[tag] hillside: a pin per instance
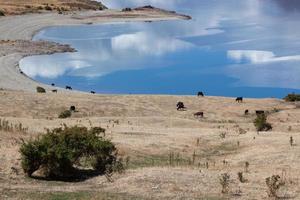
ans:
(17, 7)
(148, 130)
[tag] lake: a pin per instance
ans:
(247, 48)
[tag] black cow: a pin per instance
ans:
(68, 87)
(200, 94)
(180, 106)
(239, 99)
(199, 114)
(93, 92)
(246, 112)
(54, 91)
(73, 108)
(260, 112)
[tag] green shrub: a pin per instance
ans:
(65, 114)
(292, 97)
(261, 123)
(40, 89)
(58, 153)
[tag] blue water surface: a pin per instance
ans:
(245, 48)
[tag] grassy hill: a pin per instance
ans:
(168, 154)
(17, 7)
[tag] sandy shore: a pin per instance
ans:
(25, 26)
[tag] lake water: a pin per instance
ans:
(245, 48)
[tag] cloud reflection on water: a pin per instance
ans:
(260, 40)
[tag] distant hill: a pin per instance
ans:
(18, 7)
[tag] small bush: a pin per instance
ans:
(58, 152)
(291, 141)
(1, 13)
(241, 177)
(274, 183)
(292, 97)
(242, 131)
(224, 181)
(223, 135)
(247, 164)
(65, 114)
(48, 8)
(261, 123)
(40, 90)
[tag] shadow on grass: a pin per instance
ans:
(77, 175)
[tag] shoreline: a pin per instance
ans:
(22, 28)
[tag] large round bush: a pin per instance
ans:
(58, 152)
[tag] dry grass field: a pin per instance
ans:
(16, 7)
(168, 154)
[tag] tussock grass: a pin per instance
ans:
(8, 126)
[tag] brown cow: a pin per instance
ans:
(199, 114)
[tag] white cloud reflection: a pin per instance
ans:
(250, 55)
(262, 37)
(105, 58)
(45, 67)
(282, 74)
(147, 44)
(264, 69)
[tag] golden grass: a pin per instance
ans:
(170, 154)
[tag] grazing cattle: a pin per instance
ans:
(199, 115)
(52, 84)
(246, 112)
(54, 91)
(260, 112)
(239, 99)
(68, 88)
(200, 94)
(180, 106)
(126, 9)
(72, 108)
(93, 92)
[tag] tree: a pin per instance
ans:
(58, 152)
